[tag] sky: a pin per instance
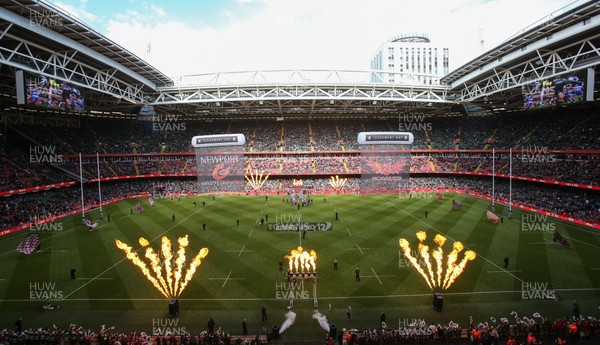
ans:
(206, 36)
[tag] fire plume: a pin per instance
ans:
(301, 261)
(437, 279)
(336, 182)
(166, 275)
(413, 260)
(256, 179)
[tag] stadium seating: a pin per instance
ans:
(555, 199)
(318, 148)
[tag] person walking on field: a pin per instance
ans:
(263, 312)
(244, 327)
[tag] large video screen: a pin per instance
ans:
(385, 161)
(220, 163)
(560, 90)
(50, 93)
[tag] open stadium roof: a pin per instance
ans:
(72, 28)
(118, 83)
(564, 41)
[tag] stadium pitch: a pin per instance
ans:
(241, 272)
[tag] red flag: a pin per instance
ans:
(492, 217)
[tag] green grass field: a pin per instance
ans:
(240, 273)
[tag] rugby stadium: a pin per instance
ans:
(298, 206)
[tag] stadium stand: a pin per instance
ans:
(588, 331)
(555, 199)
(319, 149)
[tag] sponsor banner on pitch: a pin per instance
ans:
(308, 226)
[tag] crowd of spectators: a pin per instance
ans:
(554, 130)
(324, 138)
(267, 137)
(20, 172)
(534, 131)
(521, 330)
(109, 336)
(20, 209)
(537, 133)
(582, 205)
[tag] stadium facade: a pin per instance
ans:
(413, 56)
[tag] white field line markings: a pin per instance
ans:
(226, 279)
(439, 232)
(360, 249)
(376, 276)
(107, 278)
(125, 258)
